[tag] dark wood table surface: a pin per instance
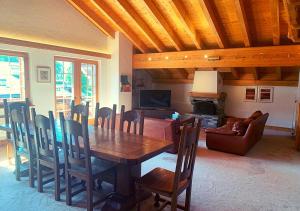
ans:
(128, 151)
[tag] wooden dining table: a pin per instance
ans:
(128, 151)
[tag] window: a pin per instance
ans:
(75, 79)
(13, 76)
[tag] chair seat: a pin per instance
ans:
(160, 180)
(99, 167)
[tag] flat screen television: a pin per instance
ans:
(155, 98)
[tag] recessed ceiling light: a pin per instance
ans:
(166, 57)
(205, 56)
(185, 56)
(149, 59)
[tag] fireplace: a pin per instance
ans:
(204, 107)
(209, 108)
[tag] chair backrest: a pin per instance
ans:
(76, 143)
(130, 117)
(8, 106)
(45, 136)
(20, 127)
(187, 154)
(77, 111)
(107, 115)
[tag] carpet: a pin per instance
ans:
(267, 178)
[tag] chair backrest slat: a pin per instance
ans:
(20, 127)
(105, 115)
(77, 111)
(187, 153)
(76, 143)
(132, 116)
(45, 136)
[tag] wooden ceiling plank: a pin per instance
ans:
(210, 14)
(93, 17)
(242, 17)
(260, 83)
(278, 73)
(173, 81)
(275, 21)
(165, 25)
(182, 14)
(271, 56)
(121, 24)
(143, 26)
(235, 73)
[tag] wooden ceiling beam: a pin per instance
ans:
(275, 21)
(165, 25)
(93, 17)
(182, 14)
(260, 83)
(242, 17)
(210, 13)
(121, 24)
(271, 56)
(143, 26)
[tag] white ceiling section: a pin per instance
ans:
(53, 22)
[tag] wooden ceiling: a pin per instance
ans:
(159, 26)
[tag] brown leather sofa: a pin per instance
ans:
(239, 135)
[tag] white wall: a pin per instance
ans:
(120, 64)
(43, 94)
(281, 110)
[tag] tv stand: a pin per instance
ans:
(157, 113)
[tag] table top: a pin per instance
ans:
(118, 146)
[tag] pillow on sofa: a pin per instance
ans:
(240, 128)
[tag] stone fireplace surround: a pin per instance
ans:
(209, 120)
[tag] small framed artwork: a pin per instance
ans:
(250, 94)
(43, 74)
(266, 94)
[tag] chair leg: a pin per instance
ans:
(89, 189)
(9, 152)
(57, 185)
(188, 198)
(156, 200)
(174, 203)
(31, 173)
(68, 189)
(39, 177)
(17, 165)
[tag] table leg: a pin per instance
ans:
(124, 198)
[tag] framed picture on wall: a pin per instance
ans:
(43, 74)
(266, 94)
(250, 94)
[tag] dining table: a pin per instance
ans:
(127, 150)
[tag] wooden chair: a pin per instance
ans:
(77, 111)
(23, 143)
(105, 114)
(49, 159)
(171, 184)
(130, 117)
(78, 160)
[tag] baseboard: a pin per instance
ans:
(286, 129)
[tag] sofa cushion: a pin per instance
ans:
(221, 131)
(240, 128)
